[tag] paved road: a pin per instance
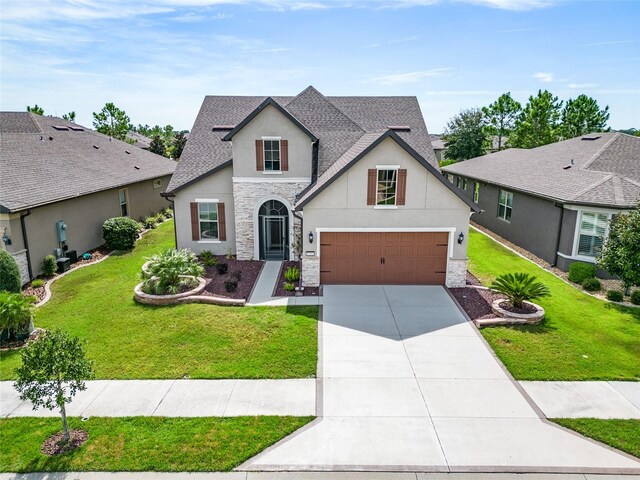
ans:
(408, 384)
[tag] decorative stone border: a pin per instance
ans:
(149, 299)
(506, 317)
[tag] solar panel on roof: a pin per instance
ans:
(60, 127)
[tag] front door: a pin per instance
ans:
(274, 237)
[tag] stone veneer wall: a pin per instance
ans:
(457, 273)
(21, 259)
(246, 195)
(310, 273)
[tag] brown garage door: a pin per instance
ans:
(390, 258)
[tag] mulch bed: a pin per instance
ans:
(54, 446)
(526, 309)
(473, 280)
(249, 271)
(96, 254)
(475, 301)
(16, 344)
(281, 292)
(28, 290)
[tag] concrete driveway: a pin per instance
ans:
(406, 383)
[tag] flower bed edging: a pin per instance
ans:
(149, 299)
(517, 318)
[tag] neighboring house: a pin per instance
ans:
(55, 171)
(139, 140)
(439, 147)
(555, 201)
(350, 184)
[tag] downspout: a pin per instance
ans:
(25, 241)
(170, 198)
(555, 262)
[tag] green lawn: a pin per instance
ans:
(581, 338)
(130, 341)
(143, 443)
(621, 434)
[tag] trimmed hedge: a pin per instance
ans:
(10, 280)
(49, 266)
(580, 271)
(120, 233)
(615, 295)
(635, 297)
(592, 285)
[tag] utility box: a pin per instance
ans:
(61, 231)
(72, 255)
(63, 264)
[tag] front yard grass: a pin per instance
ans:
(143, 443)
(581, 338)
(621, 434)
(132, 341)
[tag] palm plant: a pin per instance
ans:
(16, 314)
(168, 272)
(519, 287)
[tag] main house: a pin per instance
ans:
(349, 184)
(55, 173)
(555, 201)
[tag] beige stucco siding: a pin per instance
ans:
(271, 123)
(84, 217)
(429, 203)
(217, 186)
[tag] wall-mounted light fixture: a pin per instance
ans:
(310, 236)
(461, 237)
(5, 237)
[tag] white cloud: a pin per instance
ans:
(409, 77)
(309, 6)
(613, 42)
(582, 85)
(544, 76)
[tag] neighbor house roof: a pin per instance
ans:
(596, 169)
(47, 159)
(336, 122)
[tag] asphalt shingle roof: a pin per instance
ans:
(338, 123)
(604, 169)
(40, 164)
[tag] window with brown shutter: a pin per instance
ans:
(284, 155)
(195, 225)
(371, 186)
(222, 227)
(402, 187)
(259, 156)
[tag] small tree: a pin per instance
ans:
(179, 141)
(538, 124)
(583, 115)
(112, 121)
(620, 253)
(70, 117)
(519, 287)
(35, 109)
(501, 116)
(465, 136)
(53, 370)
(157, 146)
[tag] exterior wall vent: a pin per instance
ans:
(399, 128)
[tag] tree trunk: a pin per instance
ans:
(63, 412)
(627, 290)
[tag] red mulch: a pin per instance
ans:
(54, 446)
(281, 292)
(525, 308)
(475, 301)
(249, 272)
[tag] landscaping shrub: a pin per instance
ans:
(120, 233)
(164, 270)
(615, 295)
(592, 285)
(49, 266)
(519, 287)
(16, 314)
(230, 285)
(292, 274)
(222, 268)
(149, 222)
(237, 275)
(167, 213)
(37, 283)
(635, 297)
(9, 273)
(159, 217)
(289, 287)
(580, 271)
(208, 258)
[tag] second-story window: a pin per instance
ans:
(272, 155)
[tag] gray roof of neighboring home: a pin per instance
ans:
(337, 122)
(604, 170)
(139, 140)
(40, 164)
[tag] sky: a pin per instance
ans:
(157, 59)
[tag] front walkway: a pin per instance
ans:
(262, 294)
(407, 384)
(177, 398)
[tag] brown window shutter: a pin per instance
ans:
(284, 155)
(195, 225)
(259, 156)
(371, 186)
(401, 194)
(222, 227)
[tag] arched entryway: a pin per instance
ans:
(273, 226)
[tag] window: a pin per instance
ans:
(208, 221)
(458, 179)
(272, 155)
(505, 203)
(464, 183)
(593, 230)
(123, 195)
(476, 191)
(386, 187)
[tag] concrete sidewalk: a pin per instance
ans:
(177, 398)
(586, 399)
(262, 294)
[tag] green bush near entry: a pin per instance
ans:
(580, 271)
(120, 233)
(9, 273)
